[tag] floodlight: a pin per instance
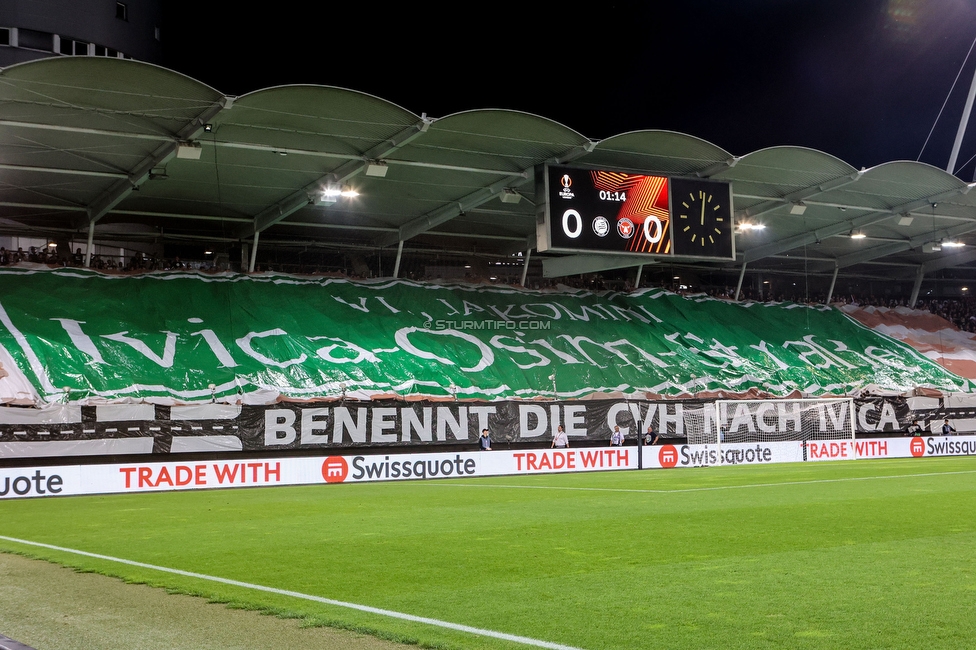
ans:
(377, 169)
(189, 151)
(510, 196)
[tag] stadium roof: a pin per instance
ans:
(137, 153)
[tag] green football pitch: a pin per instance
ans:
(869, 554)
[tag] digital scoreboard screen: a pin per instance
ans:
(590, 210)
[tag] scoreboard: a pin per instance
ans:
(587, 210)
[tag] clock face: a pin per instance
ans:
(702, 219)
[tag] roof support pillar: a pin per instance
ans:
(254, 251)
(88, 249)
(738, 287)
(640, 271)
(917, 286)
(396, 266)
(525, 266)
(833, 282)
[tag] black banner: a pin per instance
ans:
(68, 430)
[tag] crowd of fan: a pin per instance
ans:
(961, 312)
(112, 263)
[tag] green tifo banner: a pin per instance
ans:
(255, 338)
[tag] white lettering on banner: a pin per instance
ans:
(458, 426)
(384, 419)
(169, 347)
(584, 314)
(423, 427)
(360, 307)
(382, 301)
(888, 417)
(536, 412)
(482, 412)
(79, 339)
(215, 345)
(574, 418)
(310, 425)
(815, 350)
(668, 416)
(402, 339)
(325, 352)
(244, 343)
(278, 427)
(540, 359)
(547, 310)
(615, 410)
(862, 416)
(379, 424)
(344, 422)
(764, 348)
(838, 417)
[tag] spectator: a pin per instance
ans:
(651, 438)
(616, 438)
(560, 440)
(484, 442)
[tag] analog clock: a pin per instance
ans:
(701, 218)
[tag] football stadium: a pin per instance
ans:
(301, 368)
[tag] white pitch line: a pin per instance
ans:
(318, 599)
(677, 490)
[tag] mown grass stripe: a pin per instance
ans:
(295, 594)
(442, 483)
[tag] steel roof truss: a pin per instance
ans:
(122, 188)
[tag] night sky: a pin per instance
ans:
(862, 80)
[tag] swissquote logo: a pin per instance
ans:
(917, 447)
(335, 469)
(668, 456)
(566, 182)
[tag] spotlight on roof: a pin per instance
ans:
(510, 196)
(208, 128)
(327, 196)
(905, 220)
(348, 193)
(376, 168)
(952, 244)
(189, 151)
(931, 247)
(857, 234)
(751, 226)
(798, 208)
